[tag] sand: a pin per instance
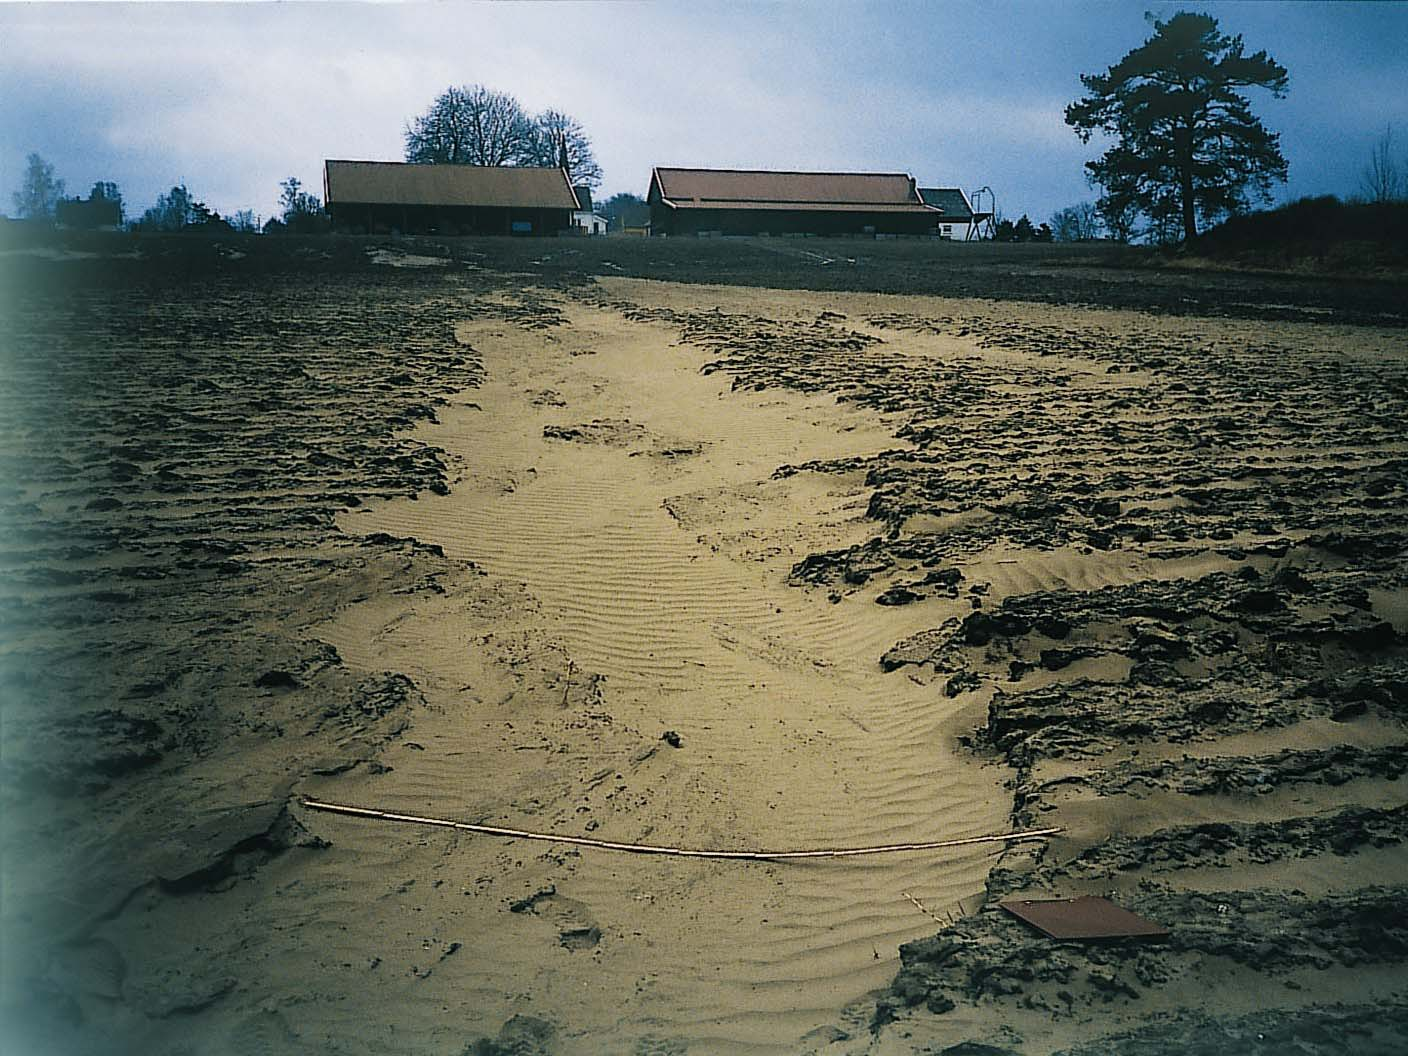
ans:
(632, 497)
(727, 567)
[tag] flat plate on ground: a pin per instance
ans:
(1087, 917)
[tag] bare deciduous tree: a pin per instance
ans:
(173, 211)
(471, 125)
(1076, 223)
(1383, 178)
(558, 138)
(474, 125)
(303, 213)
(40, 193)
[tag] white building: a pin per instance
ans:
(957, 219)
(584, 219)
(589, 222)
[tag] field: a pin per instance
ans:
(772, 544)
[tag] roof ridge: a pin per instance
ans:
(793, 201)
(442, 164)
(780, 172)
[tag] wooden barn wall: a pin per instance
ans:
(383, 219)
(665, 220)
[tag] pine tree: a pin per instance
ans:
(1187, 143)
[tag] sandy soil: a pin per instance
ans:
(707, 566)
(633, 498)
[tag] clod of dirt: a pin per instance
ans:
(580, 938)
(231, 844)
(520, 1036)
(277, 680)
(897, 595)
(529, 904)
(612, 432)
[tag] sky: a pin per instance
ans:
(231, 99)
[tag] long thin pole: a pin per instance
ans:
(678, 852)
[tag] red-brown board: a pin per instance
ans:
(1088, 917)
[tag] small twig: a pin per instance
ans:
(925, 909)
(567, 688)
(678, 852)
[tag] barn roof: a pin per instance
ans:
(951, 200)
(400, 183)
(757, 189)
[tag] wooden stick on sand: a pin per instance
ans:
(677, 852)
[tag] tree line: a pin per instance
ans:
(41, 199)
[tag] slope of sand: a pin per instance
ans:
(714, 567)
(633, 497)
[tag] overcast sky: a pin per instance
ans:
(232, 99)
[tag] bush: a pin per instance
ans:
(1321, 228)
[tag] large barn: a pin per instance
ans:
(753, 202)
(381, 197)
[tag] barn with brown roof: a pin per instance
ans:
(755, 202)
(382, 197)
